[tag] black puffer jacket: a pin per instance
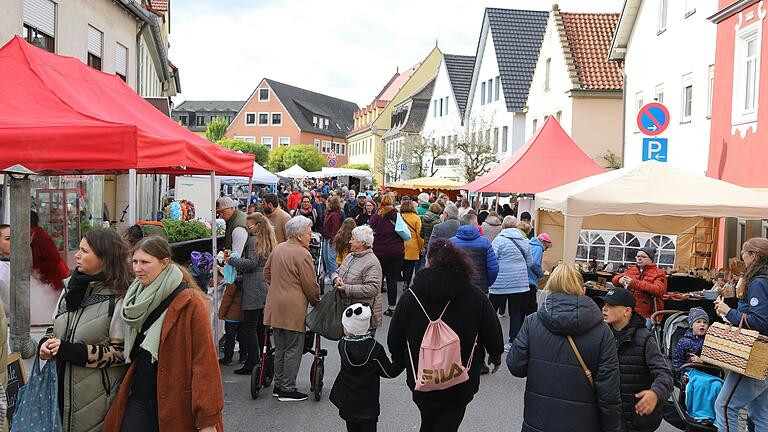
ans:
(642, 367)
(558, 396)
(470, 315)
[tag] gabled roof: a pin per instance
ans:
(517, 36)
(460, 69)
(211, 106)
(418, 106)
(589, 39)
(623, 30)
(301, 104)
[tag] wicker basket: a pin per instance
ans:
(736, 349)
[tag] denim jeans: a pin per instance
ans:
(422, 258)
(738, 392)
(329, 257)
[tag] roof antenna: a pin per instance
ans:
(435, 42)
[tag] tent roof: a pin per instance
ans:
(549, 159)
(61, 116)
(260, 176)
(426, 183)
(293, 172)
(654, 189)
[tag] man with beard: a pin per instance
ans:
(277, 216)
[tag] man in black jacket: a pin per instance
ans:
(646, 380)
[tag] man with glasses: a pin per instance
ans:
(646, 281)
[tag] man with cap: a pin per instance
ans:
(646, 381)
(646, 281)
(689, 346)
(235, 235)
(423, 207)
(359, 206)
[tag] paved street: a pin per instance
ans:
(498, 404)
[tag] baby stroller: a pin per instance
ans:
(316, 250)
(668, 332)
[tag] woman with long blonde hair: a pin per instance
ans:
(741, 391)
(261, 242)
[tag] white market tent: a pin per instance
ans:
(260, 176)
(293, 172)
(653, 189)
(328, 172)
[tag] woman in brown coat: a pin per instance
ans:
(174, 382)
(359, 276)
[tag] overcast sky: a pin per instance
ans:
(343, 48)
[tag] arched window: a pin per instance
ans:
(622, 248)
(591, 246)
(665, 250)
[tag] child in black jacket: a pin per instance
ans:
(363, 360)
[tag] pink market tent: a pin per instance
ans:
(548, 160)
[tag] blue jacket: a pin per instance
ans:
(480, 252)
(513, 265)
(755, 305)
(535, 272)
(687, 345)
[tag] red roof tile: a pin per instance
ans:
(589, 37)
(159, 5)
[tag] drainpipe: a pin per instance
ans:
(623, 113)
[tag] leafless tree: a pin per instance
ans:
(391, 160)
(423, 151)
(478, 148)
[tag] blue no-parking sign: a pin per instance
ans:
(655, 149)
(653, 119)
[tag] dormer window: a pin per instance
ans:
(320, 122)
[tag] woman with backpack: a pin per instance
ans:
(568, 355)
(88, 331)
(174, 381)
(443, 292)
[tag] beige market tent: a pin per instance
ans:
(653, 197)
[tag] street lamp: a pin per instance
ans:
(21, 259)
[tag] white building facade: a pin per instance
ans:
(668, 50)
(507, 52)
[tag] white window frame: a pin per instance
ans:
(739, 114)
(281, 143)
(688, 8)
(269, 94)
(686, 81)
(639, 102)
(326, 147)
(663, 16)
(482, 92)
(258, 119)
(496, 87)
(317, 144)
(197, 121)
(272, 118)
(255, 118)
(489, 96)
(534, 125)
(267, 141)
(547, 69)
(658, 93)
(601, 239)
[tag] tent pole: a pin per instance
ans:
(215, 264)
(7, 201)
(132, 178)
(21, 263)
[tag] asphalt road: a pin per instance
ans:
(497, 406)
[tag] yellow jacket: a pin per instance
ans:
(414, 246)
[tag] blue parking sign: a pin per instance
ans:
(655, 149)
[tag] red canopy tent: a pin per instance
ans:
(548, 160)
(60, 116)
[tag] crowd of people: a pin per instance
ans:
(132, 334)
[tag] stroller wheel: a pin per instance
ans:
(255, 384)
(318, 385)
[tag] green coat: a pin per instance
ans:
(88, 391)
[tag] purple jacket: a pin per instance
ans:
(386, 242)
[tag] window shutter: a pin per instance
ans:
(121, 59)
(94, 41)
(41, 14)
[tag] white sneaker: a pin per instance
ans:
(502, 315)
(507, 347)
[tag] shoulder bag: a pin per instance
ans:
(587, 372)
